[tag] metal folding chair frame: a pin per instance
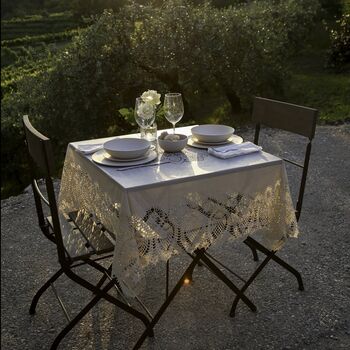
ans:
(280, 115)
(40, 158)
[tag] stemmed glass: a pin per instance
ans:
(144, 114)
(173, 108)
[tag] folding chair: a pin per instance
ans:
(296, 119)
(83, 249)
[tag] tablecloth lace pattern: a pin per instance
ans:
(186, 155)
(159, 232)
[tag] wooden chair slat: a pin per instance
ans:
(75, 243)
(95, 236)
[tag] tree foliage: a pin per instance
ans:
(235, 51)
(339, 56)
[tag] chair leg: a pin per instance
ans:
(101, 281)
(189, 276)
(248, 283)
(291, 270)
(228, 282)
(254, 251)
(166, 303)
(78, 317)
(103, 278)
(278, 260)
(216, 271)
(167, 277)
(103, 294)
(42, 290)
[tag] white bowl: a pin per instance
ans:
(127, 148)
(212, 133)
(173, 146)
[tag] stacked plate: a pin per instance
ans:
(211, 135)
(125, 152)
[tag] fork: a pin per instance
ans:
(142, 165)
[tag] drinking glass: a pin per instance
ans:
(173, 108)
(149, 133)
(144, 114)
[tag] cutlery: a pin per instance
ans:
(142, 166)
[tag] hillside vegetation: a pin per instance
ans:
(29, 43)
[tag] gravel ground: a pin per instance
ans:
(318, 318)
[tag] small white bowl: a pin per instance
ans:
(127, 148)
(212, 133)
(173, 146)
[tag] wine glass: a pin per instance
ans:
(173, 108)
(144, 113)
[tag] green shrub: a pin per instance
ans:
(14, 169)
(339, 55)
(332, 8)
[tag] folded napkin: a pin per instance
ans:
(234, 150)
(90, 149)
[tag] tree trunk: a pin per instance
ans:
(234, 100)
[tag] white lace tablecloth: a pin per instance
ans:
(191, 202)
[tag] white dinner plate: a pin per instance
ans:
(233, 139)
(126, 148)
(113, 159)
(100, 158)
(210, 144)
(211, 133)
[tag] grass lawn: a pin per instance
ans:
(313, 85)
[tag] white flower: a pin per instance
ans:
(151, 97)
(146, 110)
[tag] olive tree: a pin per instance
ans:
(247, 47)
(241, 49)
(165, 44)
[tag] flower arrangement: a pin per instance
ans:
(150, 100)
(151, 97)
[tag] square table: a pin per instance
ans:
(187, 203)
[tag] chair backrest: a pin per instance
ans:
(286, 116)
(289, 117)
(42, 166)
